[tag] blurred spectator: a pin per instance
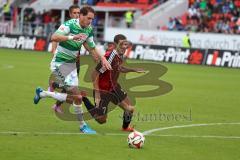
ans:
(91, 2)
(7, 11)
(32, 18)
(203, 5)
(219, 16)
(192, 11)
(186, 41)
(171, 24)
(75, 2)
(129, 18)
(38, 19)
(95, 21)
(47, 19)
(178, 24)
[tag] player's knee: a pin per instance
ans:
(78, 99)
(75, 91)
(102, 121)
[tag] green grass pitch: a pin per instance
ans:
(200, 95)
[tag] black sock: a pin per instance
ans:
(127, 117)
(90, 107)
(87, 103)
(78, 70)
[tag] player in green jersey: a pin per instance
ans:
(74, 13)
(70, 36)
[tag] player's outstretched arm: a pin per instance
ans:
(98, 56)
(54, 47)
(103, 59)
(105, 63)
(95, 79)
(60, 38)
(126, 70)
(92, 51)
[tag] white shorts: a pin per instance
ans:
(65, 73)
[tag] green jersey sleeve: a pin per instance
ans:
(65, 28)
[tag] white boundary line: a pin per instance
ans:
(7, 66)
(119, 134)
(187, 126)
(146, 133)
(195, 136)
(58, 133)
(40, 133)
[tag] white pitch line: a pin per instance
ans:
(39, 133)
(7, 66)
(119, 134)
(187, 126)
(195, 136)
(146, 133)
(57, 133)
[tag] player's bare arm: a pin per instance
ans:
(92, 51)
(60, 38)
(104, 62)
(98, 56)
(54, 47)
(95, 79)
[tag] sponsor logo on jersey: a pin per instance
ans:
(82, 37)
(62, 28)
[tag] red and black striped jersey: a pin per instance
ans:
(108, 78)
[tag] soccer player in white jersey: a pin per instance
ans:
(70, 36)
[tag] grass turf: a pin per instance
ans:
(211, 93)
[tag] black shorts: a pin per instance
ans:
(116, 96)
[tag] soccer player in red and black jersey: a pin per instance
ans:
(106, 86)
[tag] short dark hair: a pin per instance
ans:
(119, 37)
(73, 7)
(84, 10)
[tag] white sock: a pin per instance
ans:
(58, 96)
(78, 110)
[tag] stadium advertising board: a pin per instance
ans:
(23, 42)
(221, 58)
(211, 57)
(172, 38)
(167, 54)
